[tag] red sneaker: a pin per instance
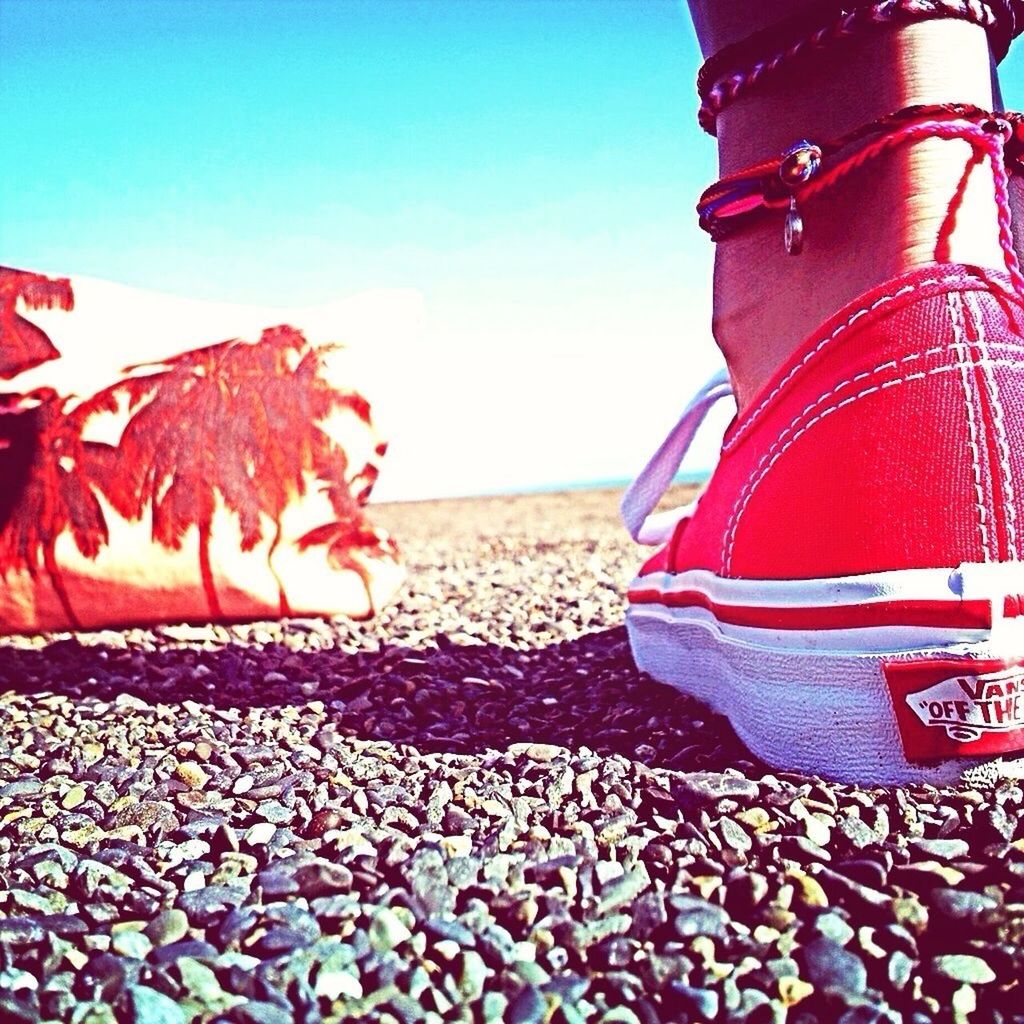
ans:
(849, 588)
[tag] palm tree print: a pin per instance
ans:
(22, 344)
(236, 420)
(346, 541)
(41, 459)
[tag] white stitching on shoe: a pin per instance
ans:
(883, 300)
(762, 471)
(1000, 425)
(956, 317)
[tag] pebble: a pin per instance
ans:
(260, 834)
(528, 1007)
(710, 787)
(192, 774)
(971, 970)
(387, 930)
(148, 1006)
(73, 797)
(831, 967)
(834, 927)
(132, 944)
(167, 927)
(695, 916)
(963, 904)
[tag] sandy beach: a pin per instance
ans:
(472, 808)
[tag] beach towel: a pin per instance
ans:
(169, 460)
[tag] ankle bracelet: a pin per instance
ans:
(737, 68)
(807, 168)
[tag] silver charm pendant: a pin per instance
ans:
(798, 165)
(793, 233)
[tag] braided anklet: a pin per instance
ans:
(736, 69)
(807, 168)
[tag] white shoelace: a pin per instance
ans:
(644, 524)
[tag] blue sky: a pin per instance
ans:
(528, 166)
(239, 148)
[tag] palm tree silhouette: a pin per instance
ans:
(348, 538)
(43, 461)
(234, 419)
(22, 344)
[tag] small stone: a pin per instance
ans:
(925, 875)
(260, 834)
(73, 797)
(623, 890)
(733, 835)
(698, 917)
(495, 1004)
(457, 846)
(260, 1012)
(965, 1002)
(175, 951)
(528, 1007)
(703, 1003)
(857, 831)
(387, 930)
(155, 815)
(814, 828)
(131, 943)
(192, 774)
(709, 787)
(473, 975)
(21, 788)
(833, 927)
(942, 849)
(167, 927)
(151, 1007)
(809, 890)
(324, 821)
(202, 988)
(962, 904)
(794, 990)
(205, 906)
(830, 966)
(334, 983)
(971, 970)
(900, 967)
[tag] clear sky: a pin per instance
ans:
(529, 166)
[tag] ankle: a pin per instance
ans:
(887, 218)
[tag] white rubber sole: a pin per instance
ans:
(813, 674)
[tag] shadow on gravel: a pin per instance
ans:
(441, 697)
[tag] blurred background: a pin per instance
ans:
(518, 175)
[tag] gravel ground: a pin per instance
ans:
(471, 809)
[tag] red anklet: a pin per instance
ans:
(736, 69)
(807, 168)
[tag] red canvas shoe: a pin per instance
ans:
(849, 588)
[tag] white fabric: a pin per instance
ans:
(646, 526)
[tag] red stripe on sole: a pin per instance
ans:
(940, 614)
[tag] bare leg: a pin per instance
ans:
(880, 221)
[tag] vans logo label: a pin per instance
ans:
(949, 708)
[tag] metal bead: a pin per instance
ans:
(799, 163)
(999, 126)
(793, 233)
